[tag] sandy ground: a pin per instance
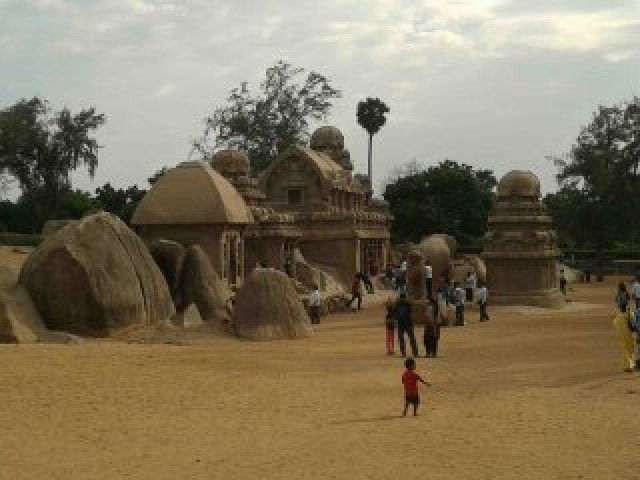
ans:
(528, 395)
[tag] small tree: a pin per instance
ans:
(371, 116)
(40, 149)
(267, 123)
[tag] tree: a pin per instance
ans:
(448, 198)
(40, 149)
(121, 202)
(602, 168)
(267, 123)
(371, 116)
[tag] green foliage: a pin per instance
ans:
(75, 204)
(448, 198)
(121, 202)
(600, 181)
(21, 239)
(371, 115)
(270, 121)
(39, 149)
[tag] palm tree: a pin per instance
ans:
(371, 117)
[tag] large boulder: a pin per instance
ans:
(170, 257)
(268, 308)
(451, 242)
(436, 253)
(95, 277)
(19, 319)
(202, 286)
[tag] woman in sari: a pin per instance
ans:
(622, 324)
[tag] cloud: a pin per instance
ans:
(491, 82)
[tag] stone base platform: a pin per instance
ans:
(543, 298)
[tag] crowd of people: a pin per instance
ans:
(447, 296)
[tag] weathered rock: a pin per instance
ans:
(19, 319)
(480, 268)
(451, 242)
(202, 285)
(62, 338)
(170, 257)
(188, 318)
(94, 277)
(436, 253)
(268, 308)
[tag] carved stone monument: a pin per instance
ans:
(520, 247)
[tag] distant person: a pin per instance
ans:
(483, 296)
(428, 277)
(563, 282)
(410, 381)
(356, 291)
(443, 307)
(367, 282)
(469, 285)
(623, 326)
(431, 332)
(314, 305)
(390, 326)
(458, 301)
(404, 322)
(635, 290)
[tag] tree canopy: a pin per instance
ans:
(371, 115)
(40, 148)
(599, 180)
(265, 123)
(450, 197)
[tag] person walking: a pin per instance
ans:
(390, 326)
(431, 331)
(404, 323)
(314, 305)
(428, 279)
(483, 296)
(622, 324)
(635, 290)
(458, 301)
(563, 282)
(356, 291)
(469, 285)
(410, 381)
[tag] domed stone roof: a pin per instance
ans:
(519, 183)
(230, 162)
(192, 193)
(327, 138)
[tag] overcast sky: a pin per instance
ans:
(495, 84)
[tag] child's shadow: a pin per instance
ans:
(381, 418)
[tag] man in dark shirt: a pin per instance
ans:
(405, 325)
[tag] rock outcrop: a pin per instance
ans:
(268, 308)
(170, 257)
(19, 319)
(202, 286)
(436, 253)
(94, 277)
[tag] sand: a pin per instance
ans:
(530, 396)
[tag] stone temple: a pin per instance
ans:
(520, 247)
(306, 206)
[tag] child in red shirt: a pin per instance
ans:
(410, 381)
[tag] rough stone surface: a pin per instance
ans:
(94, 277)
(202, 285)
(436, 253)
(188, 318)
(19, 319)
(268, 308)
(451, 241)
(170, 257)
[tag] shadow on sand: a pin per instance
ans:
(381, 418)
